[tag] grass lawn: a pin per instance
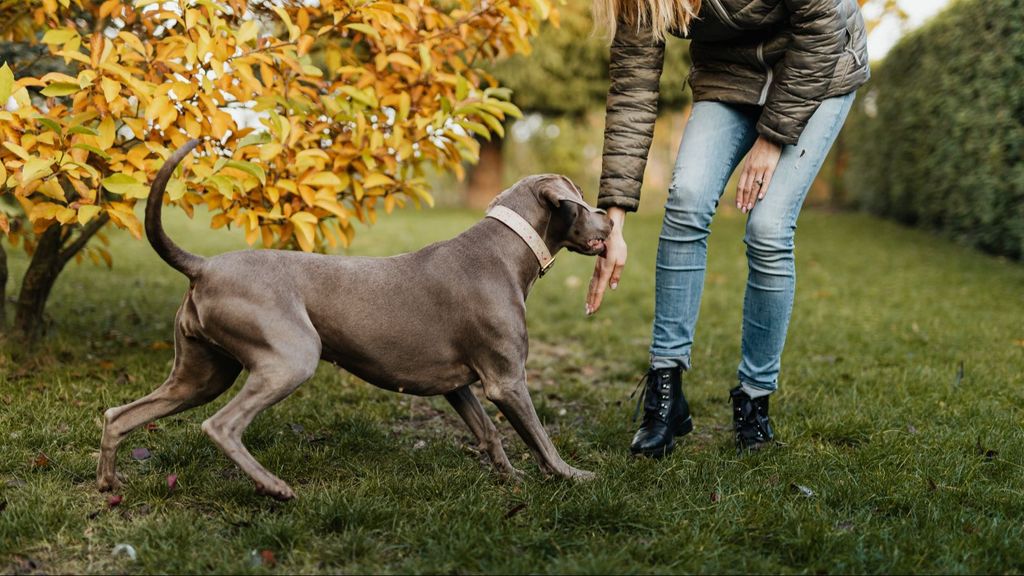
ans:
(913, 468)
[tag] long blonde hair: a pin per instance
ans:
(660, 16)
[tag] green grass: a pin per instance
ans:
(912, 469)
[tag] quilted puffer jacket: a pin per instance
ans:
(785, 56)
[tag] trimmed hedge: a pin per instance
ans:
(937, 137)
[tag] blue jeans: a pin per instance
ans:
(717, 137)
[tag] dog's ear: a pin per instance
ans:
(558, 188)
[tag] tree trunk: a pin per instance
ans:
(53, 251)
(35, 287)
(485, 179)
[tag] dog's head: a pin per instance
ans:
(555, 207)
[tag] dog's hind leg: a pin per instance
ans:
(199, 375)
(472, 412)
(276, 375)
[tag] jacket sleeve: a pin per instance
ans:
(818, 39)
(634, 69)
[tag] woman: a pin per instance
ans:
(772, 80)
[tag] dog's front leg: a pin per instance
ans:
(513, 399)
(473, 414)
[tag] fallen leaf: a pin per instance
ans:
(140, 454)
(419, 445)
(24, 565)
(125, 550)
(297, 428)
(802, 490)
(161, 345)
(932, 486)
(114, 500)
(715, 497)
(515, 510)
(911, 429)
(267, 556)
(263, 557)
(844, 526)
(172, 482)
(41, 460)
(106, 364)
(152, 427)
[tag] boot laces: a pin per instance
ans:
(654, 400)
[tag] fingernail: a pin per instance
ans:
(760, 197)
(615, 285)
(588, 311)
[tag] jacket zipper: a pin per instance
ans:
(768, 79)
(723, 14)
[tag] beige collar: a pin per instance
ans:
(520, 226)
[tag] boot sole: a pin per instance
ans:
(655, 453)
(682, 429)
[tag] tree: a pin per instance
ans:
(565, 75)
(315, 114)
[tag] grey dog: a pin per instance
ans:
(429, 322)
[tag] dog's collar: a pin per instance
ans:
(524, 230)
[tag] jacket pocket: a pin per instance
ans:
(843, 66)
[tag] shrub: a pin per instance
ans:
(937, 138)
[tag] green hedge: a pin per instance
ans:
(937, 137)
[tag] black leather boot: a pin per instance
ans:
(750, 420)
(666, 414)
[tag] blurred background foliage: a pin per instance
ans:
(937, 139)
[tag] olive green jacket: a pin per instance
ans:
(785, 56)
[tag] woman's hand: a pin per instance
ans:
(757, 173)
(608, 268)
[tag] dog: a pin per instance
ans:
(429, 322)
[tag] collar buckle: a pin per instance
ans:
(544, 269)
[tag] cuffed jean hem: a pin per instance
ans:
(668, 360)
(757, 390)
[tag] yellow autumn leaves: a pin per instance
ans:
(314, 116)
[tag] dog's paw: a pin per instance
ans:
(277, 490)
(578, 475)
(511, 474)
(108, 483)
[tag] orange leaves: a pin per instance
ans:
(315, 115)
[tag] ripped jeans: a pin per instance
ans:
(716, 139)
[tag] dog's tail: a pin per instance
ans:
(185, 262)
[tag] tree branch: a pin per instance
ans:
(87, 233)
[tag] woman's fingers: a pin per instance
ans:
(607, 272)
(746, 179)
(595, 293)
(616, 274)
(757, 173)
